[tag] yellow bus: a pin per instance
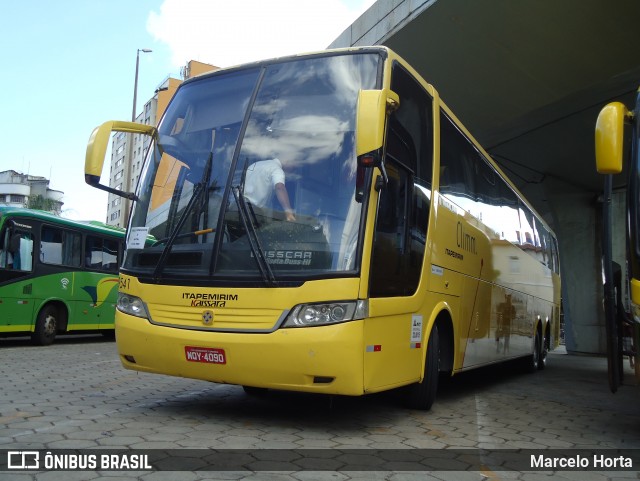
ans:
(622, 328)
(324, 223)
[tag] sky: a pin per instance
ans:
(69, 65)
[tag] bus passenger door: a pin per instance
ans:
(16, 267)
(396, 330)
(393, 332)
(99, 281)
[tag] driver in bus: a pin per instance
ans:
(262, 179)
(14, 250)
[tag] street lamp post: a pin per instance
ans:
(125, 209)
(135, 85)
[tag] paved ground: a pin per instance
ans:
(75, 395)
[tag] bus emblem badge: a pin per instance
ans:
(207, 318)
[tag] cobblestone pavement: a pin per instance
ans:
(76, 395)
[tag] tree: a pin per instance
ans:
(39, 202)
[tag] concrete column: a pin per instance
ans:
(577, 221)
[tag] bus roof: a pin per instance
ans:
(379, 49)
(90, 225)
(386, 52)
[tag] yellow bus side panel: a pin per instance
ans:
(504, 291)
(393, 343)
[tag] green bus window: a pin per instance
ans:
(60, 247)
(101, 254)
(93, 252)
(110, 255)
(16, 251)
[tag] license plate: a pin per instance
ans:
(209, 355)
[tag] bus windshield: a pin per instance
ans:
(253, 175)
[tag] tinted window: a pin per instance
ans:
(457, 158)
(62, 247)
(470, 181)
(101, 254)
(403, 209)
(16, 249)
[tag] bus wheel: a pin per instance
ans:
(532, 363)
(46, 326)
(542, 358)
(422, 394)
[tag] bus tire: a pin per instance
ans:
(532, 362)
(46, 326)
(421, 395)
(544, 350)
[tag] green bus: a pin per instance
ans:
(56, 275)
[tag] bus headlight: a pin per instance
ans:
(306, 315)
(132, 305)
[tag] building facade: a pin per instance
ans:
(128, 150)
(25, 190)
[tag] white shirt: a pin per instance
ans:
(261, 179)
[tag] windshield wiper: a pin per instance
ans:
(193, 234)
(198, 190)
(254, 242)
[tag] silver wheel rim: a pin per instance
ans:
(49, 325)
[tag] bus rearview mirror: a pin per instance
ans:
(609, 138)
(97, 149)
(373, 106)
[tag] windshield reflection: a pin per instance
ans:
(283, 138)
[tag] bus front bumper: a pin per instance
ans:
(323, 359)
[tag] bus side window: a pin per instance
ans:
(4, 252)
(403, 209)
(16, 250)
(101, 254)
(92, 252)
(60, 247)
(390, 259)
(110, 255)
(457, 166)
